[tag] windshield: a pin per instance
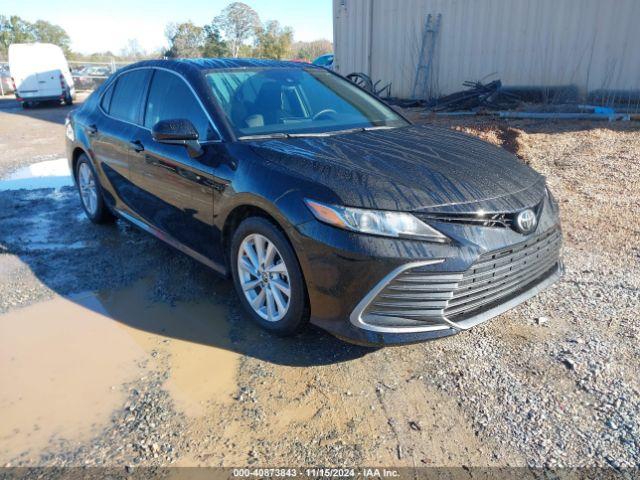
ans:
(296, 101)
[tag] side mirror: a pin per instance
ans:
(178, 132)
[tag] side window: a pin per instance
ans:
(106, 98)
(170, 98)
(127, 95)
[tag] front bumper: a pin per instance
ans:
(391, 335)
(346, 272)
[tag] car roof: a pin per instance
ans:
(183, 64)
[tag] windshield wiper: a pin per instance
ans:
(313, 134)
(327, 134)
(264, 136)
(380, 127)
(340, 132)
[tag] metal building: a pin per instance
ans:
(592, 44)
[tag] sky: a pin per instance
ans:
(96, 26)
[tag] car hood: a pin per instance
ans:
(416, 168)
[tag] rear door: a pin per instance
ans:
(49, 83)
(24, 75)
(112, 127)
(176, 191)
(27, 85)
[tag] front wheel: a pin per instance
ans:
(268, 278)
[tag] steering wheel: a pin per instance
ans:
(326, 111)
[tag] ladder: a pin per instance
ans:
(423, 72)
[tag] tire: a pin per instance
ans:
(296, 316)
(68, 99)
(97, 212)
(26, 105)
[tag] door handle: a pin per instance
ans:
(137, 145)
(92, 130)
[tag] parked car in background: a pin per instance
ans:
(90, 78)
(321, 202)
(40, 73)
(6, 84)
(324, 61)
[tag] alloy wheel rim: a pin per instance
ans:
(88, 191)
(264, 277)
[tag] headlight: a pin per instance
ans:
(68, 130)
(375, 222)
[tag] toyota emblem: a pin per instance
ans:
(526, 221)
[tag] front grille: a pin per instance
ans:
(501, 220)
(497, 275)
(418, 297)
(495, 220)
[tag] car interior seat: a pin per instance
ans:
(268, 105)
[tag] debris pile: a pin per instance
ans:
(477, 95)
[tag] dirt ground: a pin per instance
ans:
(117, 350)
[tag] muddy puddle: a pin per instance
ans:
(64, 362)
(37, 232)
(47, 174)
(195, 335)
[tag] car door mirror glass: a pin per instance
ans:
(178, 132)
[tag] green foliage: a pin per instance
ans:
(46, 32)
(273, 41)
(311, 50)
(186, 40)
(214, 45)
(14, 29)
(236, 31)
(238, 23)
(246, 51)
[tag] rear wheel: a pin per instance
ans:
(91, 192)
(267, 277)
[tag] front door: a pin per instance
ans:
(175, 191)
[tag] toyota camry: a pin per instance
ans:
(321, 202)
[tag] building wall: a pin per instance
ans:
(589, 43)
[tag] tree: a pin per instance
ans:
(311, 50)
(237, 22)
(273, 41)
(14, 29)
(185, 40)
(46, 32)
(214, 45)
(246, 51)
(133, 50)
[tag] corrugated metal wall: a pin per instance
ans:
(589, 43)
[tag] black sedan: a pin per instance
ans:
(320, 201)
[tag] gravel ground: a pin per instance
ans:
(577, 405)
(551, 383)
(29, 136)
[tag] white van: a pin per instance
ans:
(40, 72)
